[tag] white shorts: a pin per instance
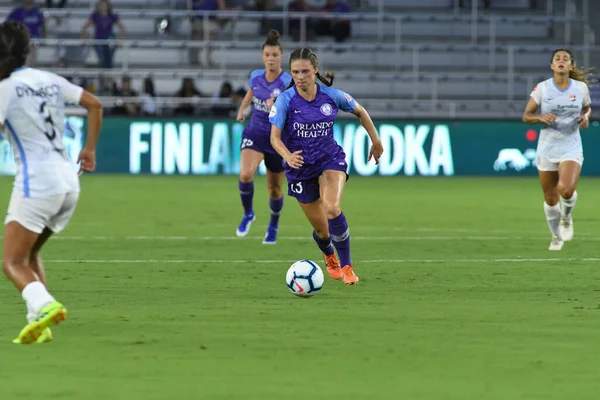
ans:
(551, 163)
(37, 213)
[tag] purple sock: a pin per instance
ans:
(276, 206)
(246, 193)
(324, 244)
(340, 235)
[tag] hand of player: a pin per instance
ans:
(584, 121)
(376, 151)
(240, 117)
(547, 119)
(87, 158)
(295, 160)
(270, 101)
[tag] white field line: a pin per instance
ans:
(309, 238)
(353, 227)
(382, 261)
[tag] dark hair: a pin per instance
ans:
(14, 47)
(579, 74)
(226, 89)
(273, 40)
(109, 8)
(307, 54)
(149, 86)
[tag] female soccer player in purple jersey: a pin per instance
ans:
(265, 85)
(315, 163)
(565, 106)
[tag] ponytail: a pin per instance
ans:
(14, 47)
(582, 75)
(327, 80)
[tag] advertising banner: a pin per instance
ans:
(411, 148)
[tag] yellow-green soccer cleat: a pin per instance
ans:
(50, 315)
(45, 337)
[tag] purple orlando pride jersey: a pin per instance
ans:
(259, 128)
(308, 126)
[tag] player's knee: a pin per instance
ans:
(332, 210)
(551, 198)
(565, 191)
(274, 191)
(322, 232)
(246, 177)
(10, 262)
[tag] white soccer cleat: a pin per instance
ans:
(556, 243)
(566, 228)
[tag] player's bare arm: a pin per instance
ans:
(584, 118)
(530, 116)
(294, 160)
(87, 156)
(245, 103)
(367, 123)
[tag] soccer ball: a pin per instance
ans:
(304, 278)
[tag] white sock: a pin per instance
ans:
(37, 297)
(553, 218)
(568, 205)
(30, 314)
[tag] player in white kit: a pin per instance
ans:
(46, 188)
(565, 107)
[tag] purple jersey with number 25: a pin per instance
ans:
(308, 126)
(257, 135)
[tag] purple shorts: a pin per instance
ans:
(273, 161)
(309, 190)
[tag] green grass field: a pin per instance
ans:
(459, 298)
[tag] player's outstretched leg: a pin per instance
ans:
(43, 310)
(271, 234)
(331, 261)
(246, 194)
(553, 214)
(340, 234)
(566, 218)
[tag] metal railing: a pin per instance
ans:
(415, 50)
(442, 109)
(381, 20)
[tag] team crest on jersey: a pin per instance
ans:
(348, 97)
(572, 97)
(276, 92)
(326, 109)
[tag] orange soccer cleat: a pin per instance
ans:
(333, 267)
(349, 277)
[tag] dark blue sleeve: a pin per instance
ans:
(14, 15)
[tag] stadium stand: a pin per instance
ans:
(404, 58)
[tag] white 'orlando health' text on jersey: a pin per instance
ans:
(561, 138)
(32, 104)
